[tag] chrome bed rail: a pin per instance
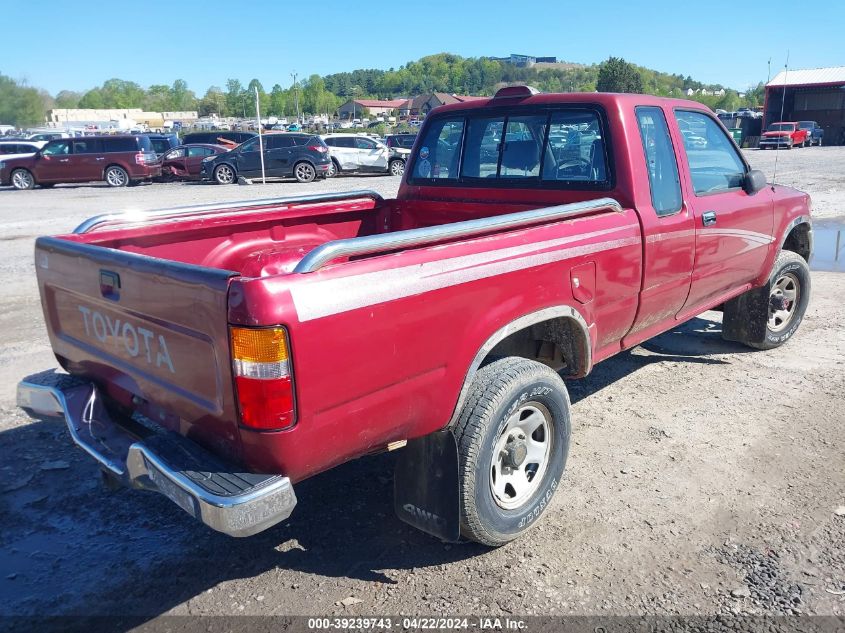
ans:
(242, 206)
(370, 244)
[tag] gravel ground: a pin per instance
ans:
(703, 478)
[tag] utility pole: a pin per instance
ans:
(295, 96)
(260, 139)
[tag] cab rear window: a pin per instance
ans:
(557, 149)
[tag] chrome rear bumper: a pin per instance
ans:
(235, 503)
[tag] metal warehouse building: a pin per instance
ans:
(813, 94)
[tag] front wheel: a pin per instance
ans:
(767, 317)
(116, 176)
(513, 440)
(304, 172)
(397, 167)
(332, 170)
(22, 179)
(224, 175)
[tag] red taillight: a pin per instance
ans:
(319, 148)
(265, 404)
(263, 381)
(140, 159)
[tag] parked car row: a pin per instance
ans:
(222, 157)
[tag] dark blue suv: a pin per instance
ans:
(301, 156)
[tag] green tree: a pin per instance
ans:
(181, 99)
(235, 104)
(617, 75)
(213, 102)
(20, 105)
(68, 99)
(281, 101)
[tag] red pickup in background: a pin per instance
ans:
(784, 134)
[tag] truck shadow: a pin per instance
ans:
(70, 547)
(696, 341)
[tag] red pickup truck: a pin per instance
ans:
(221, 354)
(785, 134)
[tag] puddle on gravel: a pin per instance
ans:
(828, 246)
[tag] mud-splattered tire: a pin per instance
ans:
(513, 440)
(767, 317)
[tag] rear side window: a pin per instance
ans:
(87, 146)
(194, 152)
(120, 144)
(660, 160)
(160, 145)
(364, 143)
(714, 161)
(277, 141)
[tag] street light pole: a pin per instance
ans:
(295, 96)
(260, 138)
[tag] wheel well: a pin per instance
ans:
(561, 343)
(106, 168)
(798, 241)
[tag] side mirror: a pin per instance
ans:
(754, 181)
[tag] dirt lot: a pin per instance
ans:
(703, 478)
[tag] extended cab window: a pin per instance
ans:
(660, 161)
(714, 161)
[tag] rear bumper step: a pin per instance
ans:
(235, 503)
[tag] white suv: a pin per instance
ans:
(358, 153)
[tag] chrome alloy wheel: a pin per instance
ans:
(224, 175)
(786, 292)
(521, 455)
(116, 177)
(22, 179)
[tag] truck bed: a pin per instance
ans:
(143, 305)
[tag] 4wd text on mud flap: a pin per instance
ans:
(424, 515)
(135, 341)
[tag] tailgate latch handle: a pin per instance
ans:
(110, 285)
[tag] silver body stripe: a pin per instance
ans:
(326, 297)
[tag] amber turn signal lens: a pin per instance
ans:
(264, 345)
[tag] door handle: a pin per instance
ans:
(100, 158)
(63, 160)
(708, 218)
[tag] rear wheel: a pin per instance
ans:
(513, 439)
(116, 176)
(304, 172)
(397, 167)
(224, 175)
(333, 170)
(22, 179)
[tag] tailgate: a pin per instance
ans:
(151, 332)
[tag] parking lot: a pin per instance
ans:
(703, 477)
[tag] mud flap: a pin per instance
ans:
(425, 485)
(744, 318)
